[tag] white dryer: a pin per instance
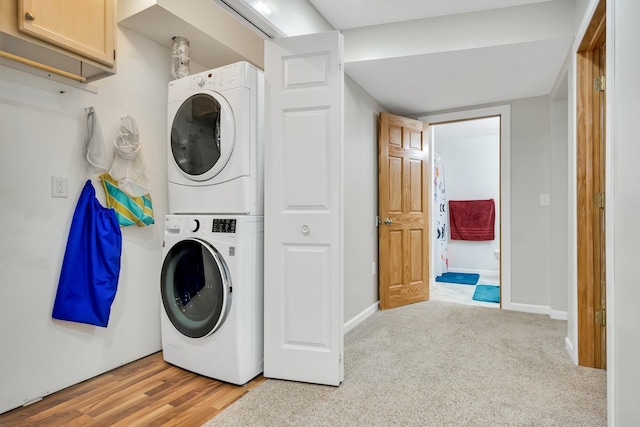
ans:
(215, 153)
(212, 295)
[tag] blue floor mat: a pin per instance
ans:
(460, 278)
(487, 293)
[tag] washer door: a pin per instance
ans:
(196, 288)
(202, 135)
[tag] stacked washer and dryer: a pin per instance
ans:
(212, 271)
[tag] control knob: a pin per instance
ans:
(193, 225)
(200, 81)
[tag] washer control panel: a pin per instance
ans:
(223, 225)
(219, 79)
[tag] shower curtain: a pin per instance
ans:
(441, 220)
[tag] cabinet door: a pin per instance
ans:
(85, 27)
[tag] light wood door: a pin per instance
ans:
(403, 206)
(85, 27)
(303, 313)
(591, 147)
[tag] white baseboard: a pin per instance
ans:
(537, 309)
(569, 347)
(490, 273)
(526, 308)
(557, 314)
(361, 317)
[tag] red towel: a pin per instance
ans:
(472, 219)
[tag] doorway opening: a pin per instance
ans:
(502, 201)
(466, 175)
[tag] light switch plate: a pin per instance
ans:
(545, 199)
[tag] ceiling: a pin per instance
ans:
(412, 85)
(423, 56)
(346, 14)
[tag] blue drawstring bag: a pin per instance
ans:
(91, 264)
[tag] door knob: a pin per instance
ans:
(388, 221)
(29, 17)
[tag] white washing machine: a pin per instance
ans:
(215, 152)
(212, 295)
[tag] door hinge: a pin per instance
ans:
(601, 317)
(114, 54)
(599, 84)
(598, 200)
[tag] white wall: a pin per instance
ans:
(581, 7)
(530, 225)
(530, 222)
(471, 171)
(361, 199)
(623, 202)
(558, 251)
(42, 134)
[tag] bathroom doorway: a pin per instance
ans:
(470, 164)
(466, 177)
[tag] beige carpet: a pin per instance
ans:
(440, 364)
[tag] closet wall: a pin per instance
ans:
(42, 129)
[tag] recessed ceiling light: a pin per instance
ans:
(261, 8)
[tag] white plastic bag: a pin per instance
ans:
(127, 167)
(95, 149)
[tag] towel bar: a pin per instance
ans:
(41, 66)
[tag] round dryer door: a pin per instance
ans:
(196, 288)
(202, 135)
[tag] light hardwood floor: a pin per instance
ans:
(147, 392)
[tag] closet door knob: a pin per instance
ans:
(388, 221)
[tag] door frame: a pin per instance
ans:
(504, 111)
(590, 343)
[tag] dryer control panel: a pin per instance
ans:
(224, 225)
(229, 77)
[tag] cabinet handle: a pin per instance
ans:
(29, 17)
